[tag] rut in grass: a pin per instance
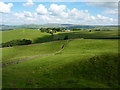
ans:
(32, 57)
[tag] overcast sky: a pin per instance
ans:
(84, 13)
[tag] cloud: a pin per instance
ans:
(111, 8)
(57, 9)
(5, 8)
(31, 19)
(78, 14)
(111, 12)
(28, 3)
(103, 4)
(25, 14)
(41, 9)
(61, 14)
(100, 17)
(19, 15)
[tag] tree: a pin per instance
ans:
(89, 30)
(51, 33)
(66, 37)
(42, 29)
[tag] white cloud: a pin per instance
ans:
(57, 9)
(61, 14)
(93, 17)
(100, 17)
(5, 8)
(25, 14)
(105, 20)
(79, 14)
(41, 9)
(19, 15)
(111, 11)
(31, 19)
(28, 3)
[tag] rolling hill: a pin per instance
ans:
(51, 25)
(83, 63)
(37, 36)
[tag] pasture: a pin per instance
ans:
(21, 34)
(21, 52)
(38, 37)
(83, 63)
(84, 60)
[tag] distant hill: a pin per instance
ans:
(49, 25)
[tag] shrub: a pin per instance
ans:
(16, 42)
(89, 30)
(66, 37)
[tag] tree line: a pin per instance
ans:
(16, 43)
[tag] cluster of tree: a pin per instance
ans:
(48, 30)
(101, 30)
(16, 42)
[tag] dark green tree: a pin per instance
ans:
(66, 37)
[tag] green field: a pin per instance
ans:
(83, 63)
(21, 34)
(21, 52)
(52, 62)
(37, 36)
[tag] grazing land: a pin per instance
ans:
(74, 59)
(35, 35)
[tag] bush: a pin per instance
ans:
(16, 42)
(66, 37)
(89, 30)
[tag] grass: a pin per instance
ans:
(84, 63)
(21, 34)
(21, 52)
(87, 34)
(37, 37)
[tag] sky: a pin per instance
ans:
(63, 12)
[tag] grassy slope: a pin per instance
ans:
(43, 37)
(87, 34)
(21, 34)
(21, 52)
(83, 63)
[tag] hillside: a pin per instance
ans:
(17, 53)
(37, 36)
(21, 34)
(83, 63)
